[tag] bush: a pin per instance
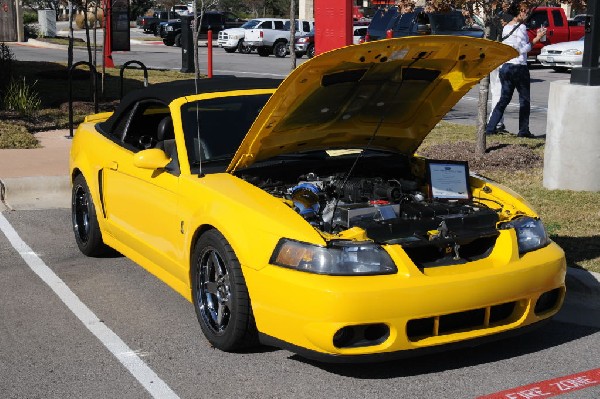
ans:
(13, 136)
(92, 19)
(7, 59)
(30, 17)
(20, 97)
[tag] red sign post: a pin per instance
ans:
(333, 24)
(107, 49)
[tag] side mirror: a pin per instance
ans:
(153, 158)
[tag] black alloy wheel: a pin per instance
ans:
(220, 295)
(85, 222)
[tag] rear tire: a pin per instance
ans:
(84, 220)
(220, 296)
(279, 49)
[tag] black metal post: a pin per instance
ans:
(93, 88)
(126, 66)
(187, 44)
(589, 73)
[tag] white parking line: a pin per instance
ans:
(129, 358)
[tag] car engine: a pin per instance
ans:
(391, 211)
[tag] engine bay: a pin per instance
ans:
(387, 199)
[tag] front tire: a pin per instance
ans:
(242, 48)
(310, 51)
(220, 295)
(85, 222)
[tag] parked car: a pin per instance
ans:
(305, 44)
(562, 56)
(273, 38)
(233, 39)
(314, 226)
(215, 21)
(578, 19)
(150, 24)
(558, 28)
(389, 22)
(358, 33)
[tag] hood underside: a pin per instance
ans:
(387, 94)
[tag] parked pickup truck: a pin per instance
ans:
(274, 40)
(232, 39)
(558, 28)
(388, 22)
(216, 21)
(150, 24)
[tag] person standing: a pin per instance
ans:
(514, 74)
(500, 18)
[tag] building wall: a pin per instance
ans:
(8, 22)
(306, 9)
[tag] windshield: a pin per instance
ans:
(215, 128)
(250, 24)
(451, 21)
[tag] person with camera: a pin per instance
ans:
(514, 74)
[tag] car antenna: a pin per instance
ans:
(375, 131)
(196, 73)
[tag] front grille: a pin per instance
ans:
(554, 52)
(473, 319)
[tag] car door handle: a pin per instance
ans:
(113, 165)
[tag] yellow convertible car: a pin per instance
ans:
(297, 214)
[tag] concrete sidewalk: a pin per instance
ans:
(37, 178)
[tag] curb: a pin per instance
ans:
(38, 192)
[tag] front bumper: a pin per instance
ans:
(412, 309)
(559, 60)
(229, 43)
(300, 47)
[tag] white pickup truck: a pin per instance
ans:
(274, 39)
(233, 39)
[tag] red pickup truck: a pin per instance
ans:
(558, 28)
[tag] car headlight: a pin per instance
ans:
(303, 40)
(573, 51)
(531, 233)
(544, 50)
(169, 28)
(340, 258)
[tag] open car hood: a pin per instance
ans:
(386, 94)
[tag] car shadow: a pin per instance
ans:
(579, 249)
(551, 335)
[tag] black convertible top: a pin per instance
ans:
(169, 91)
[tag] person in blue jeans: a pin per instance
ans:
(514, 74)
